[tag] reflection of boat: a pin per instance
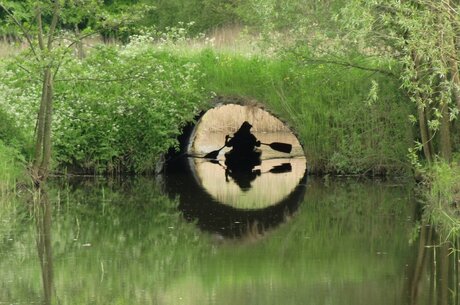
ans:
(242, 162)
(199, 206)
(242, 178)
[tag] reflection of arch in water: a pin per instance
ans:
(263, 189)
(211, 216)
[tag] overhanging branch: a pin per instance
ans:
(350, 65)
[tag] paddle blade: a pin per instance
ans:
(212, 155)
(282, 147)
(282, 168)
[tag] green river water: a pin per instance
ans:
(337, 241)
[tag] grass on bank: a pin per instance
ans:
(442, 198)
(347, 123)
(12, 171)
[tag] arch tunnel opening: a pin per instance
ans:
(226, 116)
(228, 201)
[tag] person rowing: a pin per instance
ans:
(243, 155)
(243, 141)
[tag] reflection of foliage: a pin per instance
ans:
(345, 234)
(129, 227)
(123, 242)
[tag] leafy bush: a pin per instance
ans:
(10, 134)
(121, 107)
(19, 96)
(441, 193)
(115, 111)
(125, 107)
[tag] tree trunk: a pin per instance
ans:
(41, 124)
(446, 145)
(424, 133)
(421, 113)
(79, 44)
(42, 154)
(455, 81)
(47, 129)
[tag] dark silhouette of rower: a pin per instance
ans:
(243, 157)
(243, 141)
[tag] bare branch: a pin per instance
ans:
(54, 22)
(350, 65)
(103, 80)
(69, 46)
(41, 44)
(81, 37)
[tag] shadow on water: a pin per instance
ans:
(200, 202)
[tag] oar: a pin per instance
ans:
(213, 154)
(282, 168)
(282, 147)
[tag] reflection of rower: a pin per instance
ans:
(242, 178)
(244, 155)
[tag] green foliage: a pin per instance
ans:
(12, 171)
(133, 115)
(12, 131)
(10, 134)
(441, 194)
(115, 111)
(12, 183)
(12, 167)
(409, 32)
(205, 15)
(346, 122)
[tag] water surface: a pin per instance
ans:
(97, 241)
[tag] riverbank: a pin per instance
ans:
(12, 183)
(121, 107)
(440, 193)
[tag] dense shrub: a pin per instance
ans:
(117, 110)
(129, 111)
(10, 133)
(441, 194)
